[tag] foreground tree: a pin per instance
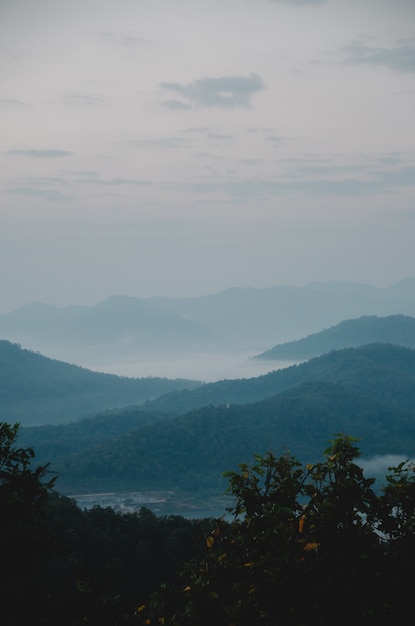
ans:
(63, 566)
(307, 545)
(23, 491)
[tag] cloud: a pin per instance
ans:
(82, 99)
(162, 142)
(300, 2)
(221, 136)
(275, 139)
(39, 181)
(12, 102)
(379, 465)
(382, 181)
(41, 154)
(176, 105)
(400, 58)
(112, 181)
(51, 195)
(124, 39)
(196, 129)
(227, 92)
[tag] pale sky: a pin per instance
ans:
(180, 147)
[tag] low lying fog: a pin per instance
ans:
(204, 367)
(378, 466)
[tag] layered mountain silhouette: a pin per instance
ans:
(394, 329)
(236, 319)
(37, 390)
(367, 392)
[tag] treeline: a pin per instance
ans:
(67, 566)
(304, 541)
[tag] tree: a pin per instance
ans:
(23, 492)
(306, 544)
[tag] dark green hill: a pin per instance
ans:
(55, 440)
(37, 390)
(376, 369)
(189, 452)
(394, 329)
(368, 392)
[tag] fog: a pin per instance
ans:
(206, 367)
(378, 466)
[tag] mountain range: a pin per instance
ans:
(235, 319)
(184, 440)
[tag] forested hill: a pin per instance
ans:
(394, 329)
(190, 452)
(37, 390)
(370, 369)
(366, 392)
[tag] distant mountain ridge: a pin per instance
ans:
(37, 390)
(394, 329)
(120, 324)
(234, 320)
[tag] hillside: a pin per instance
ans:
(189, 453)
(371, 369)
(367, 392)
(55, 440)
(37, 390)
(394, 329)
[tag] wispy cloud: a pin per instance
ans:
(400, 58)
(300, 2)
(39, 181)
(51, 195)
(221, 136)
(176, 105)
(227, 92)
(80, 99)
(41, 154)
(161, 142)
(130, 38)
(111, 182)
(14, 102)
(381, 181)
(276, 140)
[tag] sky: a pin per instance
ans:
(180, 147)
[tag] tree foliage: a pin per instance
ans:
(23, 491)
(303, 544)
(306, 545)
(61, 565)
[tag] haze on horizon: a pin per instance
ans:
(182, 147)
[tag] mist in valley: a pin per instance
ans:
(206, 367)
